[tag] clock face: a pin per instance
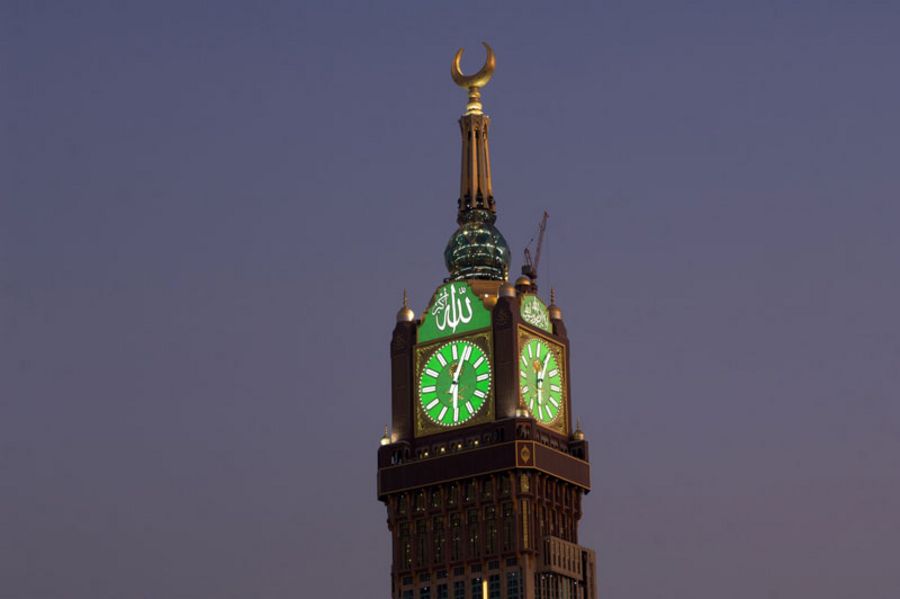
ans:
(540, 380)
(455, 383)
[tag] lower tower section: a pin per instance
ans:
(491, 512)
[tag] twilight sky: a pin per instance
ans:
(209, 210)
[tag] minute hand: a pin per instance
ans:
(546, 363)
(456, 372)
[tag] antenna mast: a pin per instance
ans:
(529, 269)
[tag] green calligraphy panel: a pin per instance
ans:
(453, 310)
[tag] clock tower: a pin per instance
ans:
(481, 470)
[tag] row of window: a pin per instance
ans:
(478, 587)
(464, 531)
(454, 494)
(486, 489)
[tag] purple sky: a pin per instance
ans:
(208, 212)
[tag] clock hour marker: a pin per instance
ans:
(430, 389)
(524, 361)
(530, 352)
(552, 373)
(431, 373)
(483, 377)
(479, 393)
(554, 388)
(443, 413)
(441, 359)
(478, 362)
(455, 413)
(432, 404)
(454, 351)
(524, 390)
(540, 412)
(467, 352)
(523, 373)
(469, 407)
(553, 401)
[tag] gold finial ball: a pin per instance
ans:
(578, 435)
(386, 438)
(554, 310)
(406, 314)
(507, 290)
(523, 283)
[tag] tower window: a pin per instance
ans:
(420, 542)
(438, 536)
(470, 491)
(474, 536)
(477, 588)
(455, 538)
(487, 489)
(405, 546)
(508, 527)
(490, 517)
(513, 585)
(494, 586)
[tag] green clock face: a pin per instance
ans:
(454, 383)
(540, 380)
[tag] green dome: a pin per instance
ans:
(477, 249)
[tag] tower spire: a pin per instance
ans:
(475, 191)
(477, 250)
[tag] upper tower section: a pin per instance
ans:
(476, 250)
(475, 191)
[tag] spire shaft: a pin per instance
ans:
(475, 189)
(476, 250)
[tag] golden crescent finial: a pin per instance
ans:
(479, 79)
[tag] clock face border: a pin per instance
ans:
(561, 424)
(425, 426)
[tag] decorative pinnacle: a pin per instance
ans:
(553, 295)
(405, 314)
(475, 82)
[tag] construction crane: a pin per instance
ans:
(529, 269)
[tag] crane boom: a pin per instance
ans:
(529, 269)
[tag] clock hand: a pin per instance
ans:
(458, 368)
